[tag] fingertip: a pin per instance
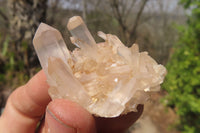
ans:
(70, 115)
(37, 89)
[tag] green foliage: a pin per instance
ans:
(8, 55)
(12, 70)
(183, 79)
(5, 47)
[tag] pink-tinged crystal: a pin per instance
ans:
(108, 79)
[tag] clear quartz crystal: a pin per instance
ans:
(108, 79)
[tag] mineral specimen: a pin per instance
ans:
(107, 79)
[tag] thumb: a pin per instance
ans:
(64, 116)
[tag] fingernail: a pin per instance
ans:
(55, 125)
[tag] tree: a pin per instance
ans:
(182, 81)
(25, 16)
(148, 23)
(121, 10)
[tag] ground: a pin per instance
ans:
(156, 117)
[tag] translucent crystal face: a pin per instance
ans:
(102, 74)
(107, 79)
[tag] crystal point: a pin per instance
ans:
(108, 79)
(48, 42)
(79, 30)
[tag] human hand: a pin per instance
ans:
(29, 103)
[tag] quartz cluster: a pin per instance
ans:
(107, 79)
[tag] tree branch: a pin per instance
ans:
(115, 7)
(133, 30)
(3, 16)
(129, 9)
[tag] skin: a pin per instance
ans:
(29, 103)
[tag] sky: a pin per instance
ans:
(152, 5)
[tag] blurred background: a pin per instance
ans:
(168, 29)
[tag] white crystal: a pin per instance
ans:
(81, 36)
(49, 42)
(108, 79)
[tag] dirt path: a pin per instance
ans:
(145, 125)
(156, 117)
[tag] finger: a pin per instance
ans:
(118, 124)
(25, 106)
(64, 116)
